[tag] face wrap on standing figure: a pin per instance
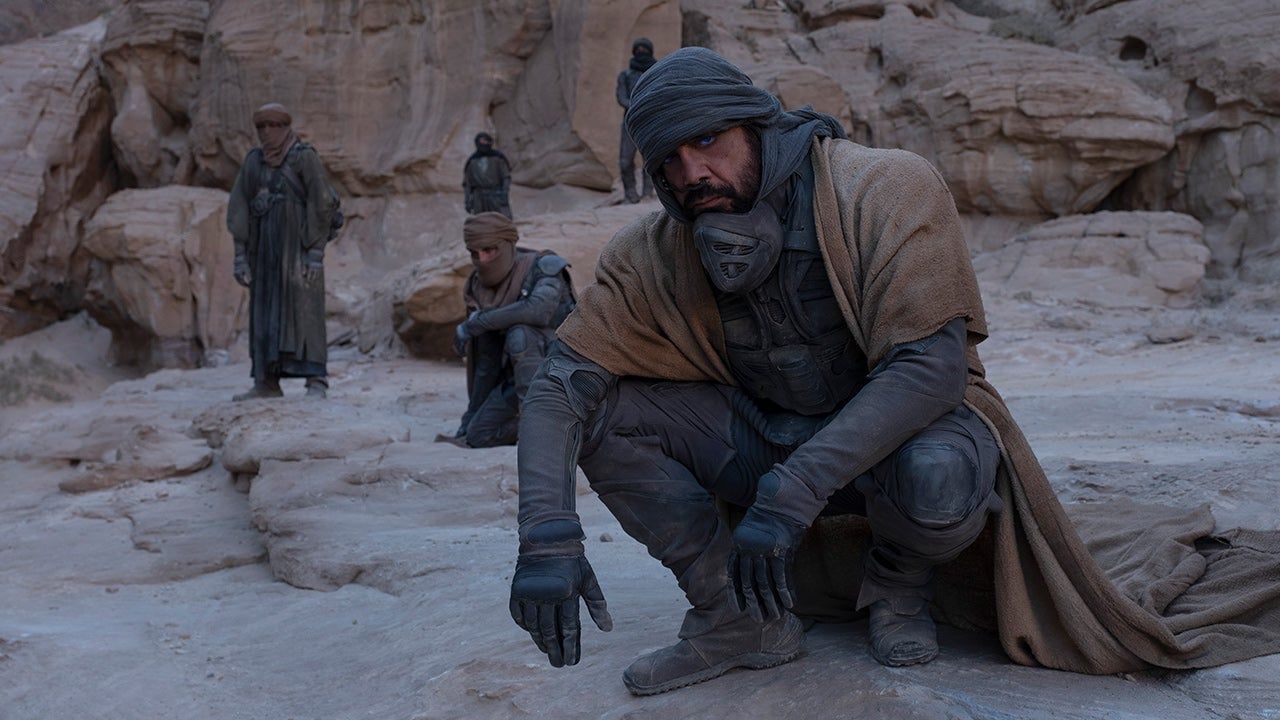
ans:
(275, 132)
(684, 111)
(484, 145)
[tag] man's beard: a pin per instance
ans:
(742, 194)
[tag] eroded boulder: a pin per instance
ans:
(1218, 66)
(147, 453)
(254, 432)
(161, 279)
(1016, 128)
(1109, 259)
(425, 77)
(373, 517)
(54, 120)
(151, 56)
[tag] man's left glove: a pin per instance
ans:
(312, 265)
(463, 333)
(240, 270)
(764, 546)
(544, 598)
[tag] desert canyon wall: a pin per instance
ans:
(1120, 151)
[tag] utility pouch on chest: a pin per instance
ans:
(262, 202)
(799, 372)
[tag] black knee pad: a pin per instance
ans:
(517, 340)
(934, 483)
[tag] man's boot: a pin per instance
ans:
(317, 388)
(268, 388)
(714, 642)
(901, 631)
(647, 185)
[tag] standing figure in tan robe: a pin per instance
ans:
(281, 213)
(795, 336)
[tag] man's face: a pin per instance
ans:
(716, 172)
(270, 131)
(484, 255)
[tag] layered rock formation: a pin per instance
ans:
(392, 94)
(1031, 109)
(161, 275)
(55, 169)
(1109, 259)
(1218, 66)
(151, 57)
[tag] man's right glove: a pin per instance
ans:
(240, 270)
(544, 600)
(765, 543)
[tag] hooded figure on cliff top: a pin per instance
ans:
(486, 179)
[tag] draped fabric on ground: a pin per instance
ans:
(1131, 587)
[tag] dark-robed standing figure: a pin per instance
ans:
(486, 179)
(281, 213)
(641, 59)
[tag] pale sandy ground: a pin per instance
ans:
(184, 597)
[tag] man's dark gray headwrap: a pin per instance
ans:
(694, 91)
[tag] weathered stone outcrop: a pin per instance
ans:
(559, 121)
(392, 94)
(1218, 66)
(1016, 128)
(161, 278)
(151, 57)
(1110, 259)
(25, 19)
(55, 169)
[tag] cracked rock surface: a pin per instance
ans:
(332, 561)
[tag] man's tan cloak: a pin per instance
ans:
(1151, 588)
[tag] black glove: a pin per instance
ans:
(764, 547)
(240, 270)
(312, 265)
(463, 333)
(544, 601)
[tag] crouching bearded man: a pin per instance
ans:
(793, 335)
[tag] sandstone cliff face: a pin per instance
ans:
(1031, 109)
(1218, 66)
(1108, 259)
(1016, 128)
(392, 94)
(151, 57)
(161, 275)
(25, 19)
(55, 168)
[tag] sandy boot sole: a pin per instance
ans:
(751, 661)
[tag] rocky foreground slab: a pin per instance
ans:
(328, 560)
